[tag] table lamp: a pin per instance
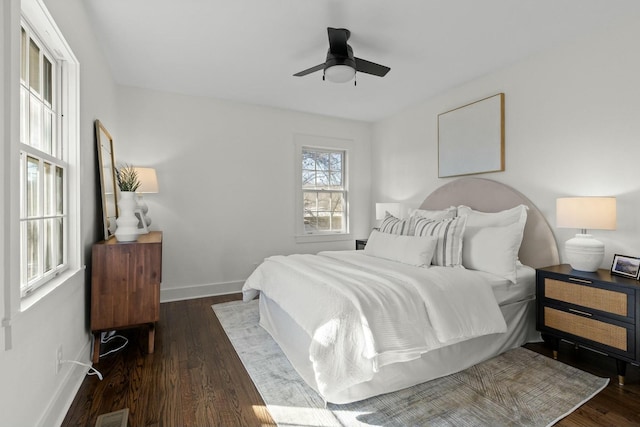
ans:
(148, 184)
(583, 252)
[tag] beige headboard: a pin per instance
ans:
(538, 249)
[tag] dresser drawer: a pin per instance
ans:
(608, 334)
(585, 295)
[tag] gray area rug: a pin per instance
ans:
(517, 388)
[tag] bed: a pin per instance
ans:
(409, 324)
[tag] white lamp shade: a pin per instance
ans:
(394, 209)
(583, 252)
(597, 213)
(148, 180)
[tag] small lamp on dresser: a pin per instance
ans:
(148, 185)
(584, 252)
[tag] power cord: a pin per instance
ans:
(92, 370)
(105, 337)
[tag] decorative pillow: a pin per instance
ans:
(492, 249)
(449, 232)
(410, 250)
(435, 215)
(503, 239)
(392, 225)
(494, 219)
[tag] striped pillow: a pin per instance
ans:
(392, 225)
(449, 232)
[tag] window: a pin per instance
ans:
(323, 190)
(43, 217)
(48, 181)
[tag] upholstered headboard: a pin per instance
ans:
(538, 249)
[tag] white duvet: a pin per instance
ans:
(364, 312)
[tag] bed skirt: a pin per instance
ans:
(294, 342)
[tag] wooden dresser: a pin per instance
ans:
(595, 310)
(125, 286)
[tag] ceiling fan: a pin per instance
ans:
(341, 65)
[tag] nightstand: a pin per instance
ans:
(597, 311)
(360, 244)
(125, 286)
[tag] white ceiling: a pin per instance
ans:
(248, 50)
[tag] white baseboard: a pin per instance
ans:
(199, 291)
(69, 386)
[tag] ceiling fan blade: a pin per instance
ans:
(310, 70)
(338, 41)
(369, 67)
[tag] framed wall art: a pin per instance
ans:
(471, 138)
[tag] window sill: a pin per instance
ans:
(317, 238)
(34, 297)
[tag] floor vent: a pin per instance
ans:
(114, 419)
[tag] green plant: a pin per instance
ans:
(127, 178)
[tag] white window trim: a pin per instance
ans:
(38, 17)
(324, 143)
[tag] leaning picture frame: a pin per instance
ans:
(626, 266)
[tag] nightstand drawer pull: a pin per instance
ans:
(584, 313)
(575, 279)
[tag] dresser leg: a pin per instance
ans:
(622, 369)
(96, 347)
(152, 337)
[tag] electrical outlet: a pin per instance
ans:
(59, 358)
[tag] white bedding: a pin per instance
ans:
(364, 313)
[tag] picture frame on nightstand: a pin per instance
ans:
(626, 266)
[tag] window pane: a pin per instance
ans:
(336, 161)
(337, 204)
(336, 179)
(24, 114)
(49, 245)
(34, 66)
(322, 161)
(310, 200)
(322, 179)
(49, 189)
(35, 122)
(33, 257)
(47, 143)
(308, 179)
(60, 239)
(47, 80)
(308, 160)
(324, 202)
(23, 55)
(59, 191)
(33, 176)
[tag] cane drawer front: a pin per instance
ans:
(616, 337)
(587, 294)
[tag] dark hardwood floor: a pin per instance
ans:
(195, 378)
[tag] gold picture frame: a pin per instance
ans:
(471, 138)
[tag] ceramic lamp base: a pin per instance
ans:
(584, 253)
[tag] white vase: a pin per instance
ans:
(127, 230)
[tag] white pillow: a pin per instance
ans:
(449, 232)
(411, 250)
(494, 219)
(492, 249)
(435, 215)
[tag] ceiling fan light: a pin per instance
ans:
(339, 73)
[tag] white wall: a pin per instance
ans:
(31, 394)
(572, 129)
(226, 173)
